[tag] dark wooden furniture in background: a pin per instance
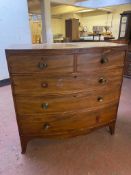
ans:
(67, 91)
(125, 35)
(72, 29)
(125, 26)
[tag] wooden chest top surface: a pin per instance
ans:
(65, 45)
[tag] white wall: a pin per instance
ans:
(58, 26)
(14, 28)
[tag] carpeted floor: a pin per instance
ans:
(97, 153)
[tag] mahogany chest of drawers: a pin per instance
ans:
(64, 90)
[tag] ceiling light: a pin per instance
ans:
(86, 10)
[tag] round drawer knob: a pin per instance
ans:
(102, 80)
(46, 126)
(104, 60)
(44, 85)
(42, 65)
(100, 99)
(45, 106)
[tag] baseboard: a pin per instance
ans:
(126, 76)
(4, 82)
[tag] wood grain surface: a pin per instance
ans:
(65, 92)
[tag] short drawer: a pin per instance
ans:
(97, 61)
(40, 64)
(73, 102)
(55, 125)
(67, 83)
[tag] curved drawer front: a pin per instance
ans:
(74, 102)
(86, 62)
(66, 84)
(41, 64)
(68, 124)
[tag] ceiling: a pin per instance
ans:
(102, 3)
(34, 6)
(66, 6)
(33, 3)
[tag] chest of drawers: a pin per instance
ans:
(64, 92)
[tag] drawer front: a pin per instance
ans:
(61, 124)
(100, 61)
(74, 102)
(41, 64)
(66, 84)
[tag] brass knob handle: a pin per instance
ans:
(42, 65)
(102, 80)
(46, 126)
(44, 85)
(45, 106)
(100, 99)
(104, 60)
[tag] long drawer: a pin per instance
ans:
(70, 123)
(65, 84)
(74, 102)
(41, 64)
(86, 62)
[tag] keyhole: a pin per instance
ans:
(74, 96)
(75, 76)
